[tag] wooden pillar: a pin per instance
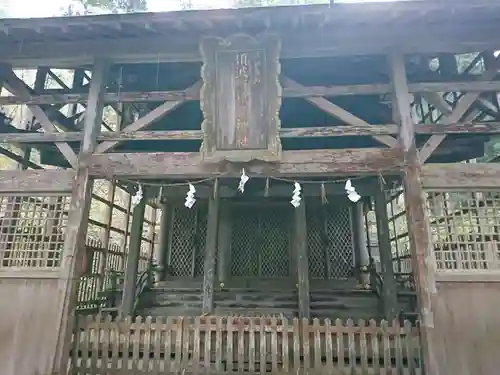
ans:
(361, 256)
(224, 243)
(302, 260)
(418, 220)
(164, 240)
(210, 251)
(134, 254)
(74, 244)
(389, 288)
(107, 234)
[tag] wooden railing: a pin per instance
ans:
(224, 345)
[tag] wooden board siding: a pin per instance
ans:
(467, 321)
(28, 325)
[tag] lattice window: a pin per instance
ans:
(260, 244)
(398, 231)
(188, 237)
(32, 230)
(330, 244)
(465, 229)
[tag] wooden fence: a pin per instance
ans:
(224, 345)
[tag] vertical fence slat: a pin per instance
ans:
(168, 362)
(86, 342)
(207, 356)
(317, 343)
(179, 330)
(241, 344)
(126, 349)
(251, 346)
(339, 331)
(398, 350)
(95, 342)
(115, 342)
(106, 338)
(147, 359)
(186, 341)
(157, 344)
(229, 342)
(196, 358)
(136, 344)
(296, 343)
(77, 346)
(218, 343)
(386, 345)
(363, 350)
(351, 345)
(263, 348)
(409, 348)
(306, 344)
(285, 355)
(274, 344)
(328, 346)
(374, 344)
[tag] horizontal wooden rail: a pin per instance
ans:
(315, 131)
(224, 345)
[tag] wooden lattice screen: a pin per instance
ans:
(32, 230)
(465, 227)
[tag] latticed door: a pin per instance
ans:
(329, 239)
(260, 244)
(187, 244)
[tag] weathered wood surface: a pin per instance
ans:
(457, 175)
(240, 98)
(36, 181)
(188, 165)
(419, 231)
(467, 328)
(57, 97)
(316, 131)
(221, 345)
(27, 311)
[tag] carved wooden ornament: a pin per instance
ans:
(240, 98)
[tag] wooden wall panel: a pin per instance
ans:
(467, 322)
(28, 325)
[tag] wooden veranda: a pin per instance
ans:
(400, 98)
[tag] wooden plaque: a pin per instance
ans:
(241, 98)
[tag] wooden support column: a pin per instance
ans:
(361, 255)
(210, 251)
(74, 244)
(164, 240)
(302, 260)
(134, 253)
(389, 291)
(224, 243)
(418, 220)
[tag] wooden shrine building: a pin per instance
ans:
(294, 189)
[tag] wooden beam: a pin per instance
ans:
(300, 247)
(340, 113)
(149, 118)
(211, 250)
(418, 221)
(319, 131)
(73, 253)
(458, 176)
(460, 109)
(15, 85)
(187, 165)
(288, 92)
(437, 100)
(36, 182)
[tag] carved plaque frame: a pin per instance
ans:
(241, 98)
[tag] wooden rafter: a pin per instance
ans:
(340, 113)
(147, 119)
(15, 85)
(57, 96)
(458, 112)
(319, 131)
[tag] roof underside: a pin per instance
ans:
(461, 20)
